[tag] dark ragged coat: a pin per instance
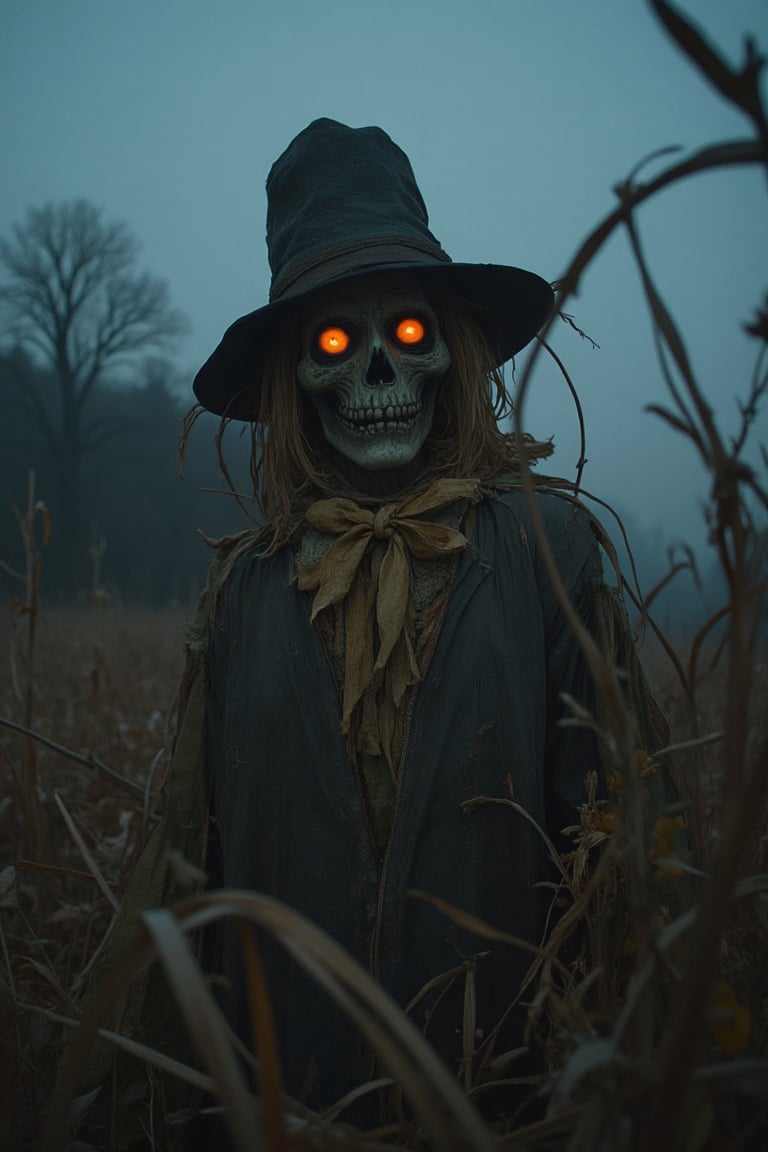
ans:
(288, 814)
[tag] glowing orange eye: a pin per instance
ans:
(410, 331)
(333, 341)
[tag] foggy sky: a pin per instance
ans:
(519, 116)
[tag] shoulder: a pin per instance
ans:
(243, 569)
(571, 530)
(562, 517)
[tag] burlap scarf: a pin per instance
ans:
(367, 570)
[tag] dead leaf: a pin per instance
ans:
(728, 1020)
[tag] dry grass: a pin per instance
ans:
(104, 685)
(105, 682)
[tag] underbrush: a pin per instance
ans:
(104, 682)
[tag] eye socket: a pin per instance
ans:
(333, 341)
(410, 331)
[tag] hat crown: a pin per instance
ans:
(343, 195)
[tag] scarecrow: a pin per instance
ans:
(386, 647)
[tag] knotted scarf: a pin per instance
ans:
(367, 570)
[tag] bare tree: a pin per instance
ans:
(75, 300)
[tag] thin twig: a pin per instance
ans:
(686, 745)
(579, 415)
(89, 761)
(95, 870)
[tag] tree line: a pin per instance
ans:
(89, 406)
(138, 522)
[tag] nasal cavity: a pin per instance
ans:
(380, 371)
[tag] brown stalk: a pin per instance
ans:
(91, 762)
(89, 860)
(706, 629)
(741, 88)
(34, 820)
(619, 721)
(689, 1020)
(262, 1028)
(205, 1024)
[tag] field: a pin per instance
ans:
(103, 683)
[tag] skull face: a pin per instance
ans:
(372, 357)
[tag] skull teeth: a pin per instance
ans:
(378, 419)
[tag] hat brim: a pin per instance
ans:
(509, 304)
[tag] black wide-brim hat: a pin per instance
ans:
(343, 203)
